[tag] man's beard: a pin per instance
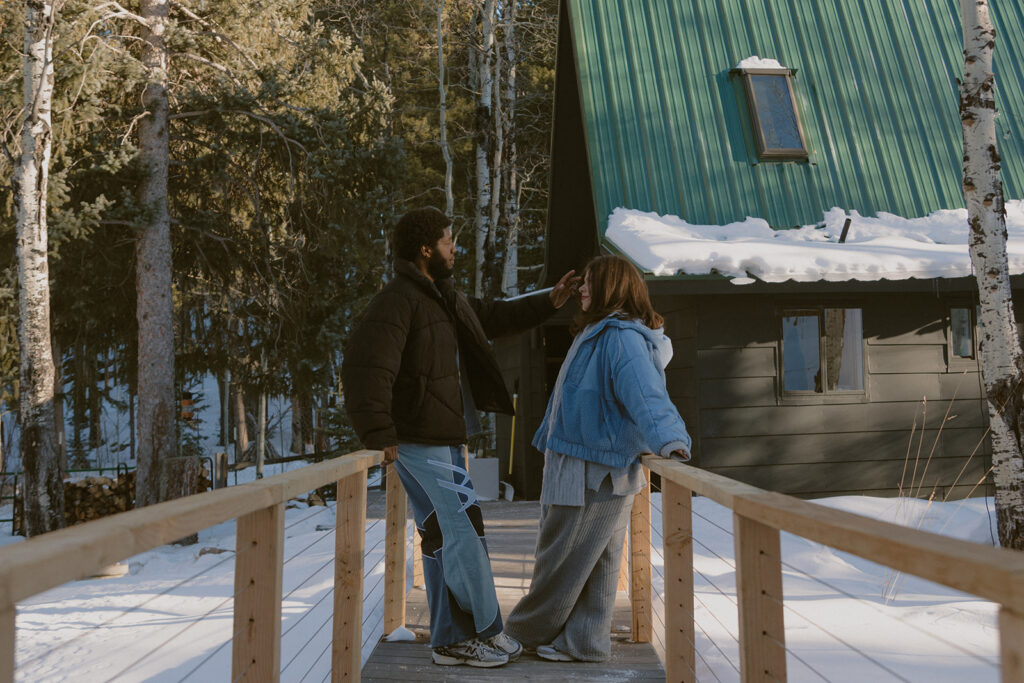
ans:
(437, 266)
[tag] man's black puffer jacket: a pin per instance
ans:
(400, 374)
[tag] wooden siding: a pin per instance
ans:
(724, 380)
(680, 315)
(859, 443)
(521, 359)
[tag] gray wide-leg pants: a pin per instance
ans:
(575, 578)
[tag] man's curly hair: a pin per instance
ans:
(419, 227)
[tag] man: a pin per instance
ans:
(417, 367)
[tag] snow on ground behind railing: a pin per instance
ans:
(839, 626)
(171, 618)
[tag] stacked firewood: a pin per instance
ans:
(94, 497)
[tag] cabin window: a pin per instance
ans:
(961, 328)
(778, 132)
(822, 351)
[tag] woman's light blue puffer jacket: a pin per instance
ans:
(613, 405)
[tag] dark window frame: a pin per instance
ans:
(956, 363)
(811, 397)
(765, 153)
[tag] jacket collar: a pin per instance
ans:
(611, 320)
(657, 339)
(409, 270)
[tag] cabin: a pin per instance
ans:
(787, 176)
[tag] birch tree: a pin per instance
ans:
(1002, 362)
(155, 305)
(442, 88)
(510, 264)
(40, 455)
(484, 82)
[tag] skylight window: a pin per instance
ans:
(778, 132)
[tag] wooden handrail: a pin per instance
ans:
(42, 563)
(996, 574)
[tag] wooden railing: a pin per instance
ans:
(42, 563)
(995, 574)
(50, 560)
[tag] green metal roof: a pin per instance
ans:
(667, 128)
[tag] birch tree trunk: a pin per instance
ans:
(40, 455)
(155, 305)
(446, 152)
(510, 266)
(1001, 357)
(497, 125)
(241, 423)
(485, 84)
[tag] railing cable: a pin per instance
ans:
(214, 653)
(881, 611)
(128, 611)
(836, 638)
(795, 656)
(689, 641)
(309, 611)
(323, 509)
(242, 673)
(192, 623)
(310, 639)
(316, 661)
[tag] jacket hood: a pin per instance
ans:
(661, 344)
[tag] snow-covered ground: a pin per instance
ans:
(847, 619)
(170, 618)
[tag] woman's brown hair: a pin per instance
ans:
(616, 287)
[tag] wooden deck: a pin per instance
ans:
(511, 536)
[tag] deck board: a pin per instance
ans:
(511, 536)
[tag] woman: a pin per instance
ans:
(608, 407)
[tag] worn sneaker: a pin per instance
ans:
(474, 652)
(507, 644)
(549, 653)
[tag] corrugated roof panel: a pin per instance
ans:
(1010, 89)
(667, 127)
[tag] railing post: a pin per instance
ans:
(417, 562)
(640, 563)
(624, 566)
(394, 553)
(259, 548)
(677, 532)
(350, 540)
(7, 615)
(759, 591)
(1011, 646)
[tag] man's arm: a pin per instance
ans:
(373, 357)
(501, 317)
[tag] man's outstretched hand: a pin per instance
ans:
(566, 288)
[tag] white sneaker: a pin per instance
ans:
(474, 652)
(507, 644)
(549, 653)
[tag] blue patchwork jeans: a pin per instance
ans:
(457, 571)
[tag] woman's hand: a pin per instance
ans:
(679, 455)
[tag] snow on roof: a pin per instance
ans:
(756, 62)
(884, 247)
